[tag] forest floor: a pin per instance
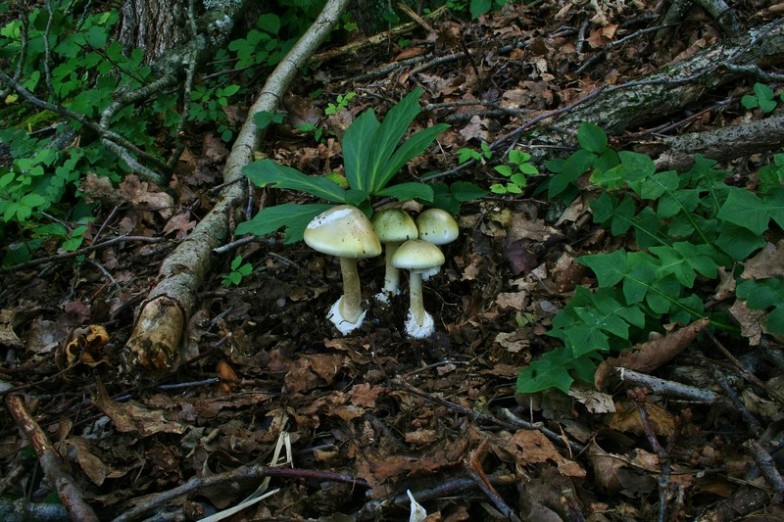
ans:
(346, 426)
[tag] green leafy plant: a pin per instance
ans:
(261, 45)
(207, 104)
(239, 271)
(373, 154)
(517, 169)
(341, 105)
(763, 98)
(687, 227)
(594, 155)
(482, 155)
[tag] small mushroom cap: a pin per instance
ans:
(437, 226)
(393, 225)
(417, 254)
(343, 231)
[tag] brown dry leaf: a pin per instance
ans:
(146, 195)
(626, 419)
(131, 417)
(81, 452)
(98, 189)
(476, 129)
(365, 394)
(752, 322)
(648, 356)
(7, 335)
(513, 300)
(766, 263)
(514, 342)
(227, 375)
(614, 474)
(181, 224)
(593, 400)
(377, 469)
(421, 437)
(526, 447)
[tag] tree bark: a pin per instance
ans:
(669, 90)
(153, 25)
(157, 333)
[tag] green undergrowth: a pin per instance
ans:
(678, 235)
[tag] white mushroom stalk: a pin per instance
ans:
(345, 232)
(393, 226)
(418, 256)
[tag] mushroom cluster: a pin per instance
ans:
(344, 231)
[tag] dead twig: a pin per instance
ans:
(474, 468)
(69, 493)
(257, 472)
(80, 252)
(490, 419)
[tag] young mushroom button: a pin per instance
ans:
(417, 256)
(392, 226)
(345, 232)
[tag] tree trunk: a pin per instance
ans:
(153, 25)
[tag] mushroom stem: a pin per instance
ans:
(351, 303)
(415, 292)
(392, 274)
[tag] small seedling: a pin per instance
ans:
(341, 105)
(516, 170)
(239, 271)
(763, 98)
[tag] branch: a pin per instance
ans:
(157, 334)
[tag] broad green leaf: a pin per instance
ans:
(552, 370)
(410, 190)
(609, 268)
(656, 185)
(572, 168)
(264, 119)
(466, 191)
(737, 242)
(762, 293)
(385, 140)
(293, 216)
(745, 209)
(411, 148)
(775, 205)
(591, 137)
(358, 142)
(610, 179)
(265, 172)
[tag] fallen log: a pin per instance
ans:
(159, 326)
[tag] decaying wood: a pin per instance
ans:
(736, 141)
(159, 326)
(69, 493)
(667, 91)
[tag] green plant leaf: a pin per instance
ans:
(295, 217)
(412, 147)
(591, 137)
(553, 370)
(267, 172)
(572, 168)
(407, 191)
(466, 191)
(264, 119)
(745, 209)
(357, 146)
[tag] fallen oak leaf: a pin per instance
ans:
(650, 355)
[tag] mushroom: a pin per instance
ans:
(416, 256)
(436, 226)
(344, 231)
(393, 226)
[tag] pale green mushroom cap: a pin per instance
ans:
(437, 226)
(343, 231)
(394, 225)
(417, 255)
